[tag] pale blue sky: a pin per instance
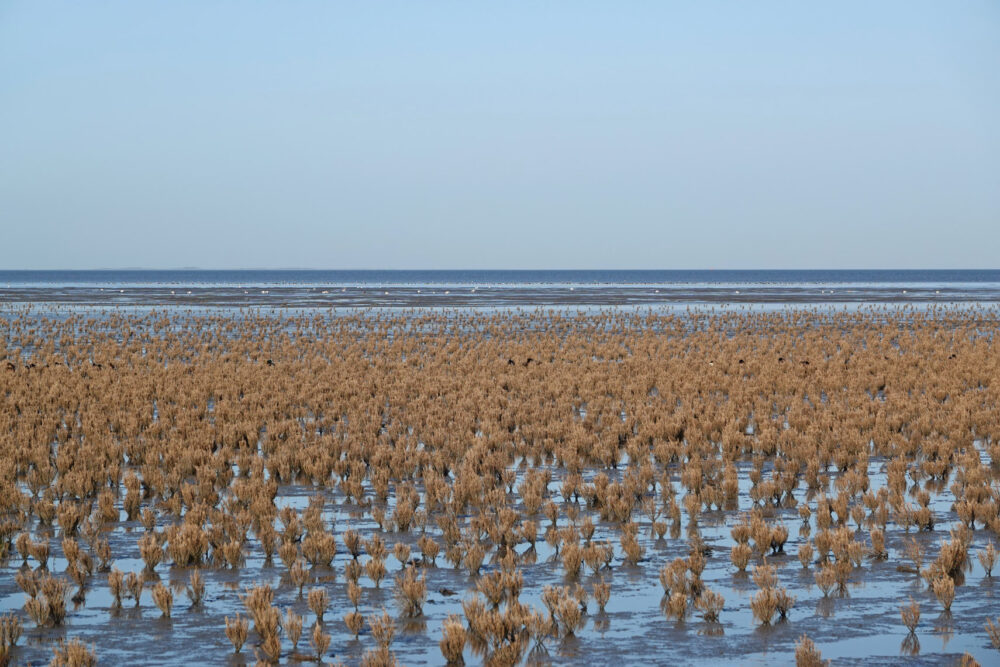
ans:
(501, 134)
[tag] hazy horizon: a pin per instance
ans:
(469, 136)
(488, 269)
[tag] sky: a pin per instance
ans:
(467, 135)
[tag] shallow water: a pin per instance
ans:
(465, 289)
(861, 627)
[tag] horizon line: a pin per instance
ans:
(199, 268)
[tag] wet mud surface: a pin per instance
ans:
(861, 626)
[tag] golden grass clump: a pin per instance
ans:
(376, 570)
(565, 610)
(572, 559)
(196, 588)
(237, 630)
(915, 552)
(292, 626)
(46, 603)
(911, 615)
(383, 630)
(134, 583)
(491, 586)
(401, 552)
(354, 621)
(807, 655)
(116, 584)
(288, 552)
(319, 549)
(473, 559)
(993, 630)
(299, 575)
(634, 551)
(740, 555)
(40, 552)
(73, 653)
(771, 598)
(944, 591)
(569, 615)
(352, 541)
(602, 593)
(411, 591)
(764, 604)
(968, 660)
(37, 610)
(10, 632)
(151, 551)
(988, 558)
(352, 571)
(453, 640)
(318, 600)
(354, 593)
(320, 641)
(267, 625)
(805, 554)
(878, 550)
(710, 604)
(429, 550)
(164, 599)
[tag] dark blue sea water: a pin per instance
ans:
(493, 277)
(407, 289)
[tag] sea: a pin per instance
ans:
(303, 289)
